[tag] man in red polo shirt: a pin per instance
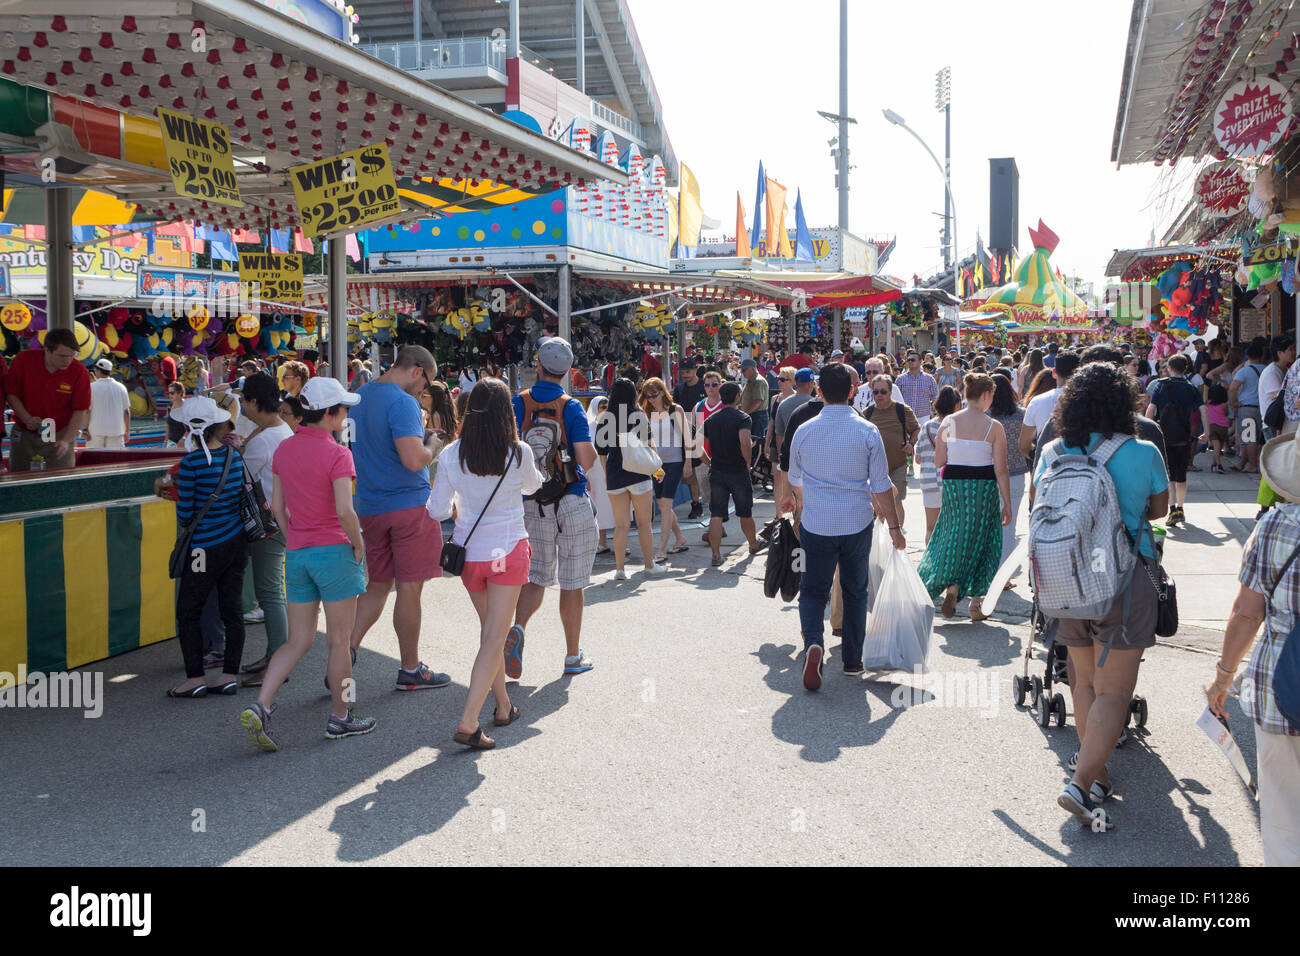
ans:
(49, 391)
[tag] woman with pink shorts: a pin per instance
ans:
(485, 473)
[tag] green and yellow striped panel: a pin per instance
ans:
(94, 584)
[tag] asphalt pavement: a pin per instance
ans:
(691, 742)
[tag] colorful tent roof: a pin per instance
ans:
(26, 207)
(1037, 294)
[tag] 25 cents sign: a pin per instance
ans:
(198, 154)
(345, 191)
(279, 275)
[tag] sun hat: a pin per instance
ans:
(197, 413)
(323, 392)
(1280, 462)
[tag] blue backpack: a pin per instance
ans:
(1286, 677)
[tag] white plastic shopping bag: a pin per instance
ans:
(879, 558)
(900, 624)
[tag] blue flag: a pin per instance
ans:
(83, 233)
(756, 230)
(280, 239)
(803, 244)
(221, 244)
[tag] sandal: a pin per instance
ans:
(680, 549)
(949, 602)
(475, 741)
(976, 610)
(256, 666)
(514, 715)
(193, 693)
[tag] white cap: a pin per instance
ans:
(323, 392)
(104, 364)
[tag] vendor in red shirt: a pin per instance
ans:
(651, 367)
(49, 391)
(800, 359)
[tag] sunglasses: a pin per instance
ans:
(785, 380)
(880, 391)
(712, 384)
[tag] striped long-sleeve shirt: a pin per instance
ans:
(195, 481)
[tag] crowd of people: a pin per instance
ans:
(538, 487)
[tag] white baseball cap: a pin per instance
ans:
(324, 392)
(104, 364)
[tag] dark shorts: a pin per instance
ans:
(737, 486)
(1141, 629)
(1178, 457)
(672, 478)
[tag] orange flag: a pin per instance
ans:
(742, 234)
(778, 242)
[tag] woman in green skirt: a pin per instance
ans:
(966, 547)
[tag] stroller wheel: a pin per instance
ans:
(1035, 687)
(1058, 709)
(1044, 709)
(1138, 708)
(1018, 689)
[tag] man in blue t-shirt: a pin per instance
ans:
(392, 453)
(562, 535)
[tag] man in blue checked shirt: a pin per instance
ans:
(840, 476)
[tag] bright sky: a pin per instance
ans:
(742, 80)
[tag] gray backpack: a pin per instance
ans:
(1079, 550)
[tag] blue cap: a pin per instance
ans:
(805, 375)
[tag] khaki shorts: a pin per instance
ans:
(899, 477)
(1141, 630)
(24, 445)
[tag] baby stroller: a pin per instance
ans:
(760, 471)
(1043, 702)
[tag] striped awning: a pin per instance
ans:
(1037, 294)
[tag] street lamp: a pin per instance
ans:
(947, 185)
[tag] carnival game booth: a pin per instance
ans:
(267, 124)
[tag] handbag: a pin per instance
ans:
(639, 457)
(1166, 600)
(254, 512)
(452, 559)
(181, 549)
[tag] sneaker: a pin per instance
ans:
(1073, 798)
(577, 663)
(1073, 763)
(855, 670)
(656, 570)
(352, 651)
(257, 721)
(812, 668)
(717, 561)
(515, 652)
(1100, 792)
(255, 616)
(1175, 517)
(697, 510)
(349, 726)
(1218, 470)
(422, 679)
(620, 575)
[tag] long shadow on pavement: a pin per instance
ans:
(837, 717)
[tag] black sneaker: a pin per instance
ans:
(1084, 810)
(353, 652)
(422, 679)
(697, 509)
(1175, 517)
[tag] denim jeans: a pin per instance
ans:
(851, 552)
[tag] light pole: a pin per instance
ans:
(947, 185)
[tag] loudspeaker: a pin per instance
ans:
(1004, 204)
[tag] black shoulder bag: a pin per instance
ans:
(452, 559)
(181, 550)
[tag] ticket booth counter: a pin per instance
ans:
(84, 556)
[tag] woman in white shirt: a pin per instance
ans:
(486, 472)
(261, 405)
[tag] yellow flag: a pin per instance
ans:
(691, 213)
(672, 222)
(742, 234)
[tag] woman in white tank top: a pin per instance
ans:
(966, 548)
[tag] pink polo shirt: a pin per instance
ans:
(307, 464)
